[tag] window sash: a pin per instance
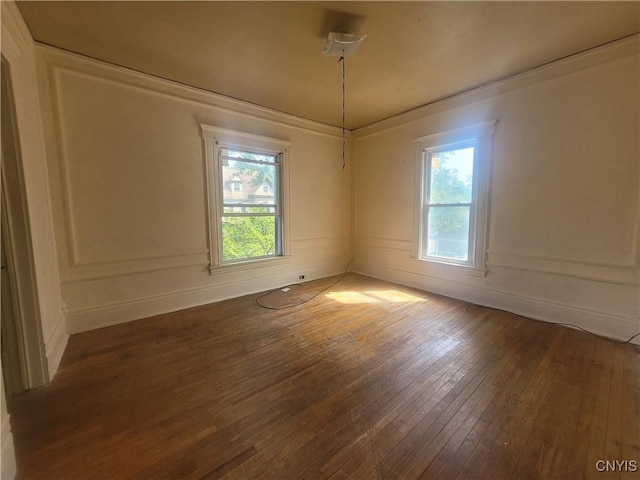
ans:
(251, 205)
(427, 158)
(469, 237)
(278, 241)
(249, 214)
(247, 160)
(448, 204)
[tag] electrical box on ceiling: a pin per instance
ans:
(342, 44)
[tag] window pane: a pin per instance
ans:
(249, 183)
(451, 175)
(248, 237)
(448, 233)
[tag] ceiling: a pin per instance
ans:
(269, 53)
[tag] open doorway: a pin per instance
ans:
(24, 362)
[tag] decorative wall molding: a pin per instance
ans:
(87, 270)
(61, 148)
(581, 269)
(56, 343)
(601, 323)
(19, 34)
(586, 270)
(403, 251)
(388, 244)
(592, 58)
(319, 243)
(117, 268)
(82, 320)
(109, 73)
(558, 258)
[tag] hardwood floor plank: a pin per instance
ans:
(500, 381)
(370, 380)
(523, 412)
(415, 462)
(422, 411)
(491, 466)
(597, 434)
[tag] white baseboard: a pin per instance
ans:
(83, 320)
(56, 344)
(8, 467)
(612, 326)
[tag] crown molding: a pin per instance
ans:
(592, 58)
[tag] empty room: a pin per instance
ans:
(320, 240)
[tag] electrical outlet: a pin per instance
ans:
(301, 277)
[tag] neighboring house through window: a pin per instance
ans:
(247, 220)
(235, 184)
(453, 189)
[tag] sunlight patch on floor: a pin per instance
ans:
(351, 297)
(373, 296)
(394, 296)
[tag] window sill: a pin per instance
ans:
(249, 264)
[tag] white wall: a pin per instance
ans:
(563, 231)
(128, 185)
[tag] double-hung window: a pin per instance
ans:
(247, 180)
(251, 220)
(453, 185)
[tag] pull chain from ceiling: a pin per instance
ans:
(344, 137)
(343, 45)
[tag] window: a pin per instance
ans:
(254, 232)
(448, 194)
(247, 221)
(453, 196)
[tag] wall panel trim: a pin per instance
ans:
(117, 268)
(150, 84)
(582, 269)
(601, 323)
(85, 319)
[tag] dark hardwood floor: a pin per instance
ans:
(368, 380)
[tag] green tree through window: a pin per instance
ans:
(250, 218)
(247, 237)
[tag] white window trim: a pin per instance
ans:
(215, 138)
(482, 133)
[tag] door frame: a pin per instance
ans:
(19, 247)
(14, 363)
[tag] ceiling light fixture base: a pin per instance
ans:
(342, 44)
